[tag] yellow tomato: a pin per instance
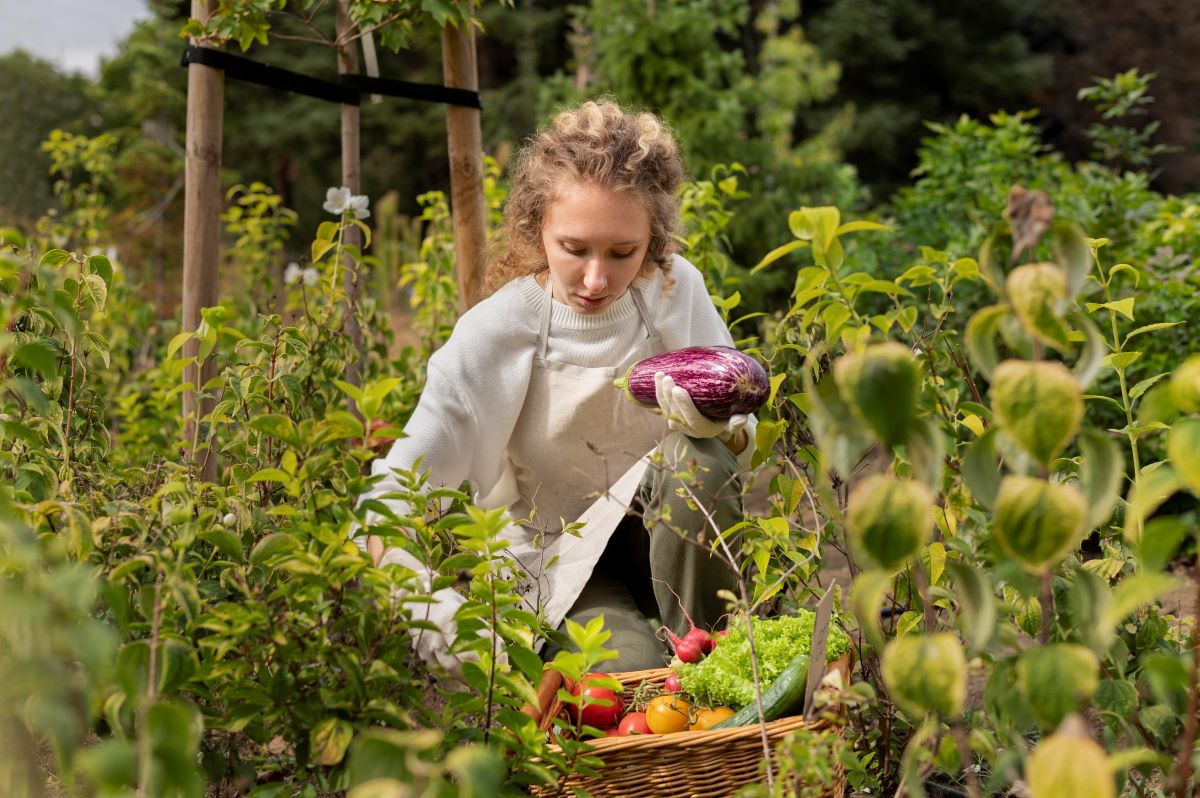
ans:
(707, 718)
(667, 714)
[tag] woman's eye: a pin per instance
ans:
(575, 252)
(623, 255)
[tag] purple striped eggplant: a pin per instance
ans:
(721, 380)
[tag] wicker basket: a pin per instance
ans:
(718, 761)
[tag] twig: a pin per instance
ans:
(741, 583)
(1047, 599)
(1187, 746)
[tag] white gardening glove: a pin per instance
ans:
(431, 646)
(683, 416)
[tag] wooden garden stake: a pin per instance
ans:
(201, 231)
(347, 58)
(466, 164)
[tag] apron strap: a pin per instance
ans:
(640, 304)
(543, 333)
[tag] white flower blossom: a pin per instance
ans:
(358, 203)
(229, 519)
(310, 276)
(292, 273)
(340, 200)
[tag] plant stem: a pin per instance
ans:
(922, 580)
(1047, 598)
(964, 753)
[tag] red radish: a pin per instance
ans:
(710, 642)
(612, 731)
(671, 684)
(688, 650)
(633, 723)
(599, 707)
(721, 381)
(688, 647)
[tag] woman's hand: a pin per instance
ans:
(683, 416)
(375, 548)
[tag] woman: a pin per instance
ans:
(520, 400)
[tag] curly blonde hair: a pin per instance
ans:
(595, 142)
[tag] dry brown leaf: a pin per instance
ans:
(1029, 214)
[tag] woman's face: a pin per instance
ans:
(595, 240)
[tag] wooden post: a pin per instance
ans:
(201, 232)
(347, 58)
(466, 165)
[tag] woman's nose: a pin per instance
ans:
(595, 277)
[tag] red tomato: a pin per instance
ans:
(600, 706)
(633, 723)
(612, 731)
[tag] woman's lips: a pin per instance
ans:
(590, 303)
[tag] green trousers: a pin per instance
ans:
(658, 565)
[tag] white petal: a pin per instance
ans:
(311, 276)
(292, 273)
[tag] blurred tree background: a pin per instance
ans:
(823, 102)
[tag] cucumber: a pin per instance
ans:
(783, 694)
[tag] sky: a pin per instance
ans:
(71, 34)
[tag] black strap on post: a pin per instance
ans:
(347, 90)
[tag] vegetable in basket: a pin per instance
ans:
(725, 677)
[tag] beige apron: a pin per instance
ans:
(577, 436)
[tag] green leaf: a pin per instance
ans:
(1143, 386)
(39, 357)
(1122, 306)
(918, 275)
(275, 426)
(866, 600)
(272, 546)
(55, 257)
(1072, 251)
(271, 475)
(1056, 680)
(102, 267)
(1162, 325)
(988, 266)
(1183, 448)
(1160, 540)
(854, 227)
(981, 469)
(1151, 489)
(981, 337)
(1125, 267)
(1121, 360)
(319, 248)
(327, 231)
(1099, 475)
(884, 287)
(353, 392)
(976, 605)
(329, 740)
(778, 253)
(1132, 592)
(1091, 360)
(177, 341)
